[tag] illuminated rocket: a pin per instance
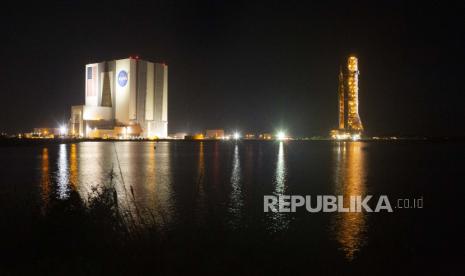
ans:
(349, 119)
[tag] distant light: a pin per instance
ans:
(237, 135)
(345, 136)
(63, 130)
(281, 135)
(355, 137)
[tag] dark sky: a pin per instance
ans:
(251, 66)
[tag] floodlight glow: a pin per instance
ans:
(63, 130)
(237, 136)
(281, 135)
(343, 136)
(355, 137)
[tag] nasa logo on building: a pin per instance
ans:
(122, 78)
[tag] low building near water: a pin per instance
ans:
(214, 134)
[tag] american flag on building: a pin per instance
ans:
(91, 81)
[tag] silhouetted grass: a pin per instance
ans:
(97, 235)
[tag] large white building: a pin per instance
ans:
(123, 98)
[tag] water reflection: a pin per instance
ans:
(62, 173)
(216, 165)
(159, 181)
(201, 165)
(90, 168)
(131, 176)
(141, 174)
(200, 202)
(236, 193)
(73, 168)
(45, 178)
(280, 220)
(151, 169)
(280, 175)
(248, 168)
(350, 174)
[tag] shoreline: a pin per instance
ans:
(37, 141)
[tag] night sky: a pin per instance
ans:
(250, 66)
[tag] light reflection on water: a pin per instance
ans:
(159, 181)
(200, 198)
(63, 173)
(350, 177)
(45, 182)
(87, 166)
(280, 221)
(73, 168)
(235, 207)
(143, 178)
(280, 175)
(186, 182)
(90, 167)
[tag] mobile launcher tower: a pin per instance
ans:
(350, 125)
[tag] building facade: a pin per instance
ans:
(128, 93)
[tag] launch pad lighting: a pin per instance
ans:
(63, 130)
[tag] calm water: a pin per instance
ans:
(220, 185)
